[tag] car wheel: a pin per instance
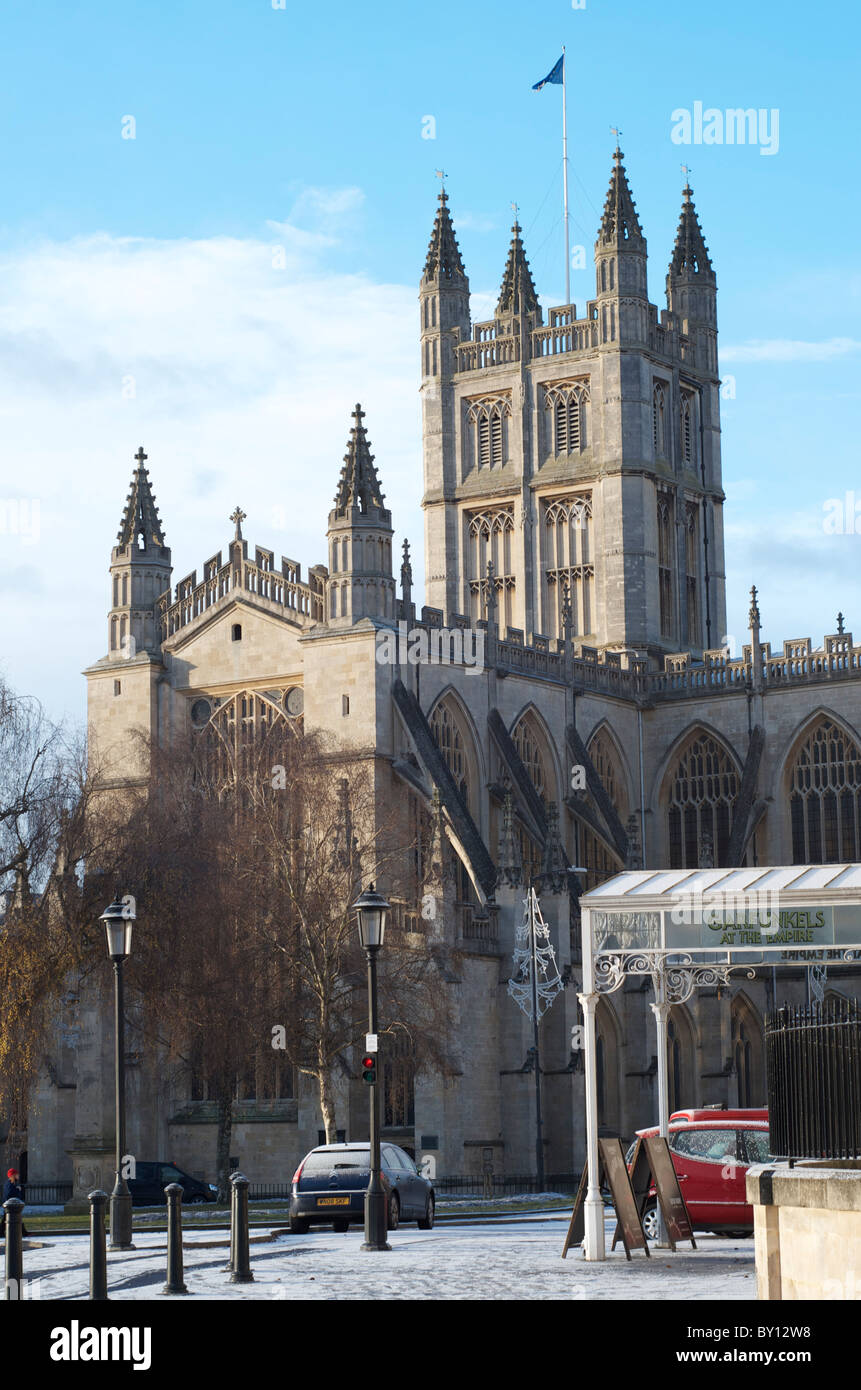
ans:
(299, 1225)
(196, 1200)
(741, 1234)
(426, 1222)
(340, 1227)
(394, 1214)
(650, 1221)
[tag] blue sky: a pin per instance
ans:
(150, 260)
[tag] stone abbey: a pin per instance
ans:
(574, 519)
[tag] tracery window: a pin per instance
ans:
(528, 742)
(825, 797)
(490, 538)
(399, 1079)
(747, 1052)
(567, 405)
(665, 562)
(692, 549)
(702, 791)
(451, 742)
(568, 552)
(451, 739)
(488, 421)
(242, 741)
(659, 419)
(599, 861)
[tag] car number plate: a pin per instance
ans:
(333, 1201)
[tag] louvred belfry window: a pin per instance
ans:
(567, 404)
(487, 420)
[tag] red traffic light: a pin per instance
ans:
(368, 1061)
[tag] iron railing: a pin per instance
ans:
(47, 1194)
(813, 1059)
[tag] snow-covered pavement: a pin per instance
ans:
(520, 1259)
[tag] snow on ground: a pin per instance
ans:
(519, 1259)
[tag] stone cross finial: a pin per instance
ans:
(238, 516)
(840, 627)
(358, 413)
(141, 457)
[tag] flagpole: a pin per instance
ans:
(565, 180)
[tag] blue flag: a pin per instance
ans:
(554, 75)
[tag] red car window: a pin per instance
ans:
(706, 1145)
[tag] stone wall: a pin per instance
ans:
(807, 1231)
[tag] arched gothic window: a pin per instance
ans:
(825, 797)
(567, 405)
(568, 559)
(488, 419)
(490, 538)
(242, 741)
(692, 556)
(747, 1052)
(529, 744)
(665, 562)
(453, 741)
(607, 1049)
(680, 1060)
(399, 1078)
(659, 419)
(703, 787)
(599, 861)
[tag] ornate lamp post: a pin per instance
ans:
(372, 911)
(118, 920)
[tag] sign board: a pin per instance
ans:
(673, 1209)
(641, 1182)
(619, 1183)
(577, 1226)
(763, 925)
(371, 1042)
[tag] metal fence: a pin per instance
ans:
(463, 1185)
(813, 1059)
(47, 1194)
(505, 1185)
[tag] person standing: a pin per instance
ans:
(11, 1188)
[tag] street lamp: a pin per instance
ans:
(372, 909)
(118, 919)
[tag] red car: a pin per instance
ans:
(712, 1151)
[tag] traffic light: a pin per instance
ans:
(369, 1069)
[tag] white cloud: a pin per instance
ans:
(789, 350)
(238, 378)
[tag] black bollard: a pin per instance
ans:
(231, 1262)
(98, 1256)
(14, 1248)
(240, 1257)
(175, 1284)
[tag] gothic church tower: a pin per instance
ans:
(581, 457)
